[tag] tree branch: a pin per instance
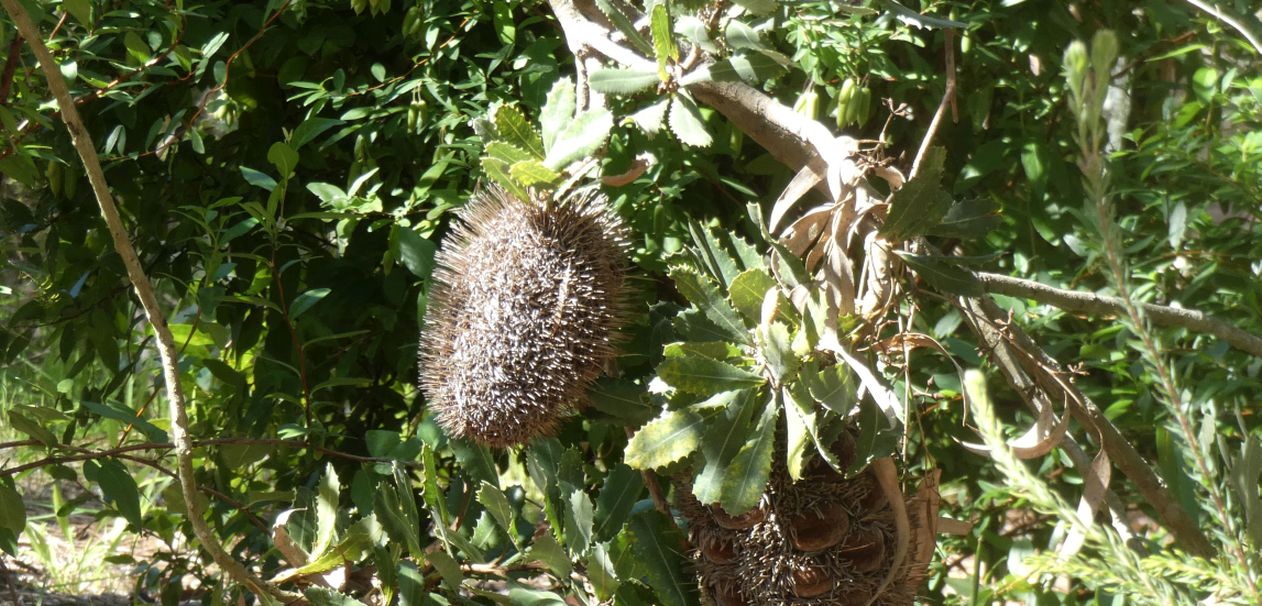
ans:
(10, 67)
(1230, 20)
(1014, 350)
(144, 290)
(1091, 303)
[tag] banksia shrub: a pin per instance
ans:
(526, 299)
(823, 540)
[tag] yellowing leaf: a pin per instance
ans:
(664, 440)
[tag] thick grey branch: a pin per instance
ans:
(1091, 303)
(148, 300)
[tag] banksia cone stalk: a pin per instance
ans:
(823, 540)
(526, 298)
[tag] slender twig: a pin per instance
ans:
(948, 99)
(1231, 20)
(148, 299)
(1091, 303)
(85, 455)
(294, 341)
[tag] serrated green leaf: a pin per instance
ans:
(800, 426)
(685, 121)
(579, 522)
(921, 203)
(664, 49)
(715, 350)
(876, 438)
(580, 139)
(973, 218)
(650, 119)
(411, 585)
(449, 569)
(397, 514)
(546, 549)
(723, 439)
(558, 111)
(747, 292)
(691, 324)
(494, 501)
(531, 172)
(326, 511)
(664, 440)
(613, 9)
(622, 488)
(512, 127)
(498, 171)
(703, 376)
(710, 253)
(833, 387)
(944, 274)
(623, 80)
(656, 546)
(321, 596)
(602, 572)
(620, 399)
(509, 153)
(701, 292)
(746, 478)
(436, 504)
(777, 350)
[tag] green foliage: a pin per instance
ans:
(287, 171)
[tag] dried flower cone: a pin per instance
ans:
(526, 298)
(823, 540)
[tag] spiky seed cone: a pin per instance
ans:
(526, 298)
(822, 541)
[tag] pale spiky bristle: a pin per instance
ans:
(526, 298)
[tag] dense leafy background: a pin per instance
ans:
(287, 170)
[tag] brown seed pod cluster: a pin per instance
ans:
(526, 300)
(823, 540)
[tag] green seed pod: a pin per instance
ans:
(526, 300)
(845, 102)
